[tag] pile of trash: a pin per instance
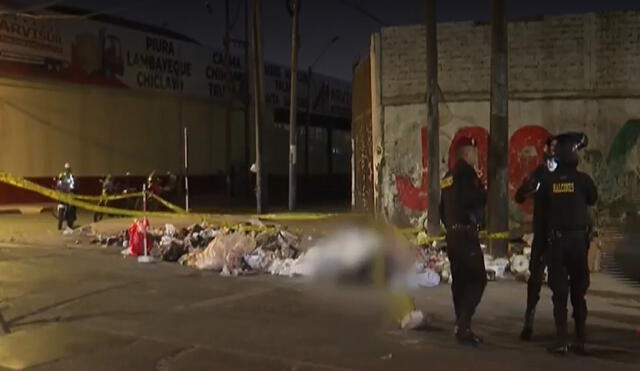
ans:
(519, 261)
(232, 251)
(237, 252)
(433, 257)
(348, 254)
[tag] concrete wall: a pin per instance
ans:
(566, 73)
(100, 130)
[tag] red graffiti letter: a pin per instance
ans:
(526, 148)
(410, 196)
(525, 153)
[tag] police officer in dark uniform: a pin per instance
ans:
(567, 193)
(528, 189)
(462, 203)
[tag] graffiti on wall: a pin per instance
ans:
(616, 172)
(525, 153)
(416, 198)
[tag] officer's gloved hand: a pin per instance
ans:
(530, 186)
(551, 163)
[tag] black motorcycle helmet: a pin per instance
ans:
(573, 138)
(567, 147)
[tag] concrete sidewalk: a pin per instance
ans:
(27, 209)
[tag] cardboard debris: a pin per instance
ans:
(224, 249)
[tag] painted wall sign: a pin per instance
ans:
(90, 52)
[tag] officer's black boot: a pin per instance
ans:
(560, 347)
(527, 330)
(456, 325)
(579, 347)
(466, 336)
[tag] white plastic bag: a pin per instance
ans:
(421, 277)
(169, 230)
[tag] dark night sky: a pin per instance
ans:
(323, 19)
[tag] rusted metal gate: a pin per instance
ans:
(361, 135)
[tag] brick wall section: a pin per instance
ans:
(617, 51)
(403, 63)
(464, 57)
(547, 56)
(578, 55)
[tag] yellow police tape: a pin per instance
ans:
(483, 235)
(108, 197)
(176, 209)
(72, 199)
(81, 202)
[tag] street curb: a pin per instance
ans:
(26, 210)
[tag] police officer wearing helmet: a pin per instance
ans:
(462, 203)
(67, 183)
(567, 194)
(530, 189)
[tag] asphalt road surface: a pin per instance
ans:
(66, 305)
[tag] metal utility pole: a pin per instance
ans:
(247, 98)
(498, 220)
(433, 121)
(307, 124)
(186, 170)
(259, 103)
(329, 151)
(293, 104)
(229, 97)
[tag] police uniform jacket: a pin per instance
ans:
(463, 197)
(567, 193)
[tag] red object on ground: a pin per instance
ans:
(638, 330)
(136, 238)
